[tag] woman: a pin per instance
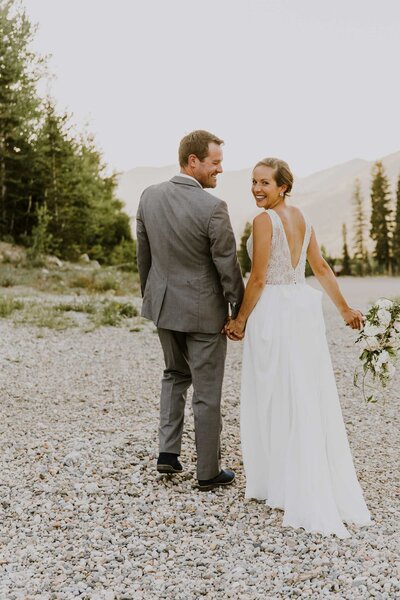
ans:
(295, 450)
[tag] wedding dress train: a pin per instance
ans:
(295, 449)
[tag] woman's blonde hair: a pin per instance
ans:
(283, 175)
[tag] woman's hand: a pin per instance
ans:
(234, 329)
(353, 318)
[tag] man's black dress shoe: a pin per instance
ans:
(168, 463)
(225, 477)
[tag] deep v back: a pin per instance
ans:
(280, 270)
(287, 239)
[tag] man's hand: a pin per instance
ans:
(227, 321)
(235, 330)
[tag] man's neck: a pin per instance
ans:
(186, 174)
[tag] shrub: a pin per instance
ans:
(8, 306)
(7, 282)
(83, 307)
(113, 312)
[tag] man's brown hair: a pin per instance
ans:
(196, 143)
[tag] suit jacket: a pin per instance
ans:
(187, 258)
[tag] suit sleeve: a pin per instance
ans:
(143, 251)
(224, 256)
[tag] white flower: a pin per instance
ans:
(372, 330)
(383, 357)
(371, 343)
(384, 316)
(390, 369)
(384, 303)
(380, 341)
(394, 341)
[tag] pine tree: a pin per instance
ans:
(360, 254)
(244, 260)
(19, 72)
(86, 217)
(396, 231)
(346, 268)
(56, 178)
(54, 193)
(380, 217)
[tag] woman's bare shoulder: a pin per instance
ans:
(262, 227)
(262, 219)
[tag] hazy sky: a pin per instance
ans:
(315, 82)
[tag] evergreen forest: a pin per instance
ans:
(55, 194)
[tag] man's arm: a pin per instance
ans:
(224, 255)
(143, 251)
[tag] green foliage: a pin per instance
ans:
(380, 342)
(329, 259)
(112, 313)
(95, 281)
(83, 307)
(8, 306)
(41, 237)
(20, 70)
(60, 280)
(7, 281)
(54, 193)
(244, 259)
(396, 232)
(360, 259)
(42, 315)
(380, 217)
(124, 256)
(346, 267)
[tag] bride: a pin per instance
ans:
(295, 450)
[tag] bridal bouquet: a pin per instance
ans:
(380, 343)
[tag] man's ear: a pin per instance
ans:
(192, 160)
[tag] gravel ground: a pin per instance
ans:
(84, 514)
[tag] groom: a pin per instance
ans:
(189, 276)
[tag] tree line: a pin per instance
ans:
(55, 195)
(382, 233)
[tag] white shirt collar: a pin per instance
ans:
(190, 177)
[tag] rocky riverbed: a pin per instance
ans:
(83, 513)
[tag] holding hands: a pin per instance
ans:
(234, 329)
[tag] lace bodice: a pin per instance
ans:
(280, 270)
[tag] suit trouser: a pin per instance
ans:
(198, 359)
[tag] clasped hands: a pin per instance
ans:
(234, 329)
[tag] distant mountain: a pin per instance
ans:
(324, 196)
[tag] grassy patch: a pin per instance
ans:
(87, 307)
(8, 306)
(42, 315)
(96, 282)
(56, 280)
(112, 313)
(7, 281)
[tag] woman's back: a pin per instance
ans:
(290, 238)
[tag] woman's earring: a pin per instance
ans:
(281, 194)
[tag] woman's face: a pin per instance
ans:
(264, 187)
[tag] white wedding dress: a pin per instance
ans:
(295, 450)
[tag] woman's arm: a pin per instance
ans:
(324, 274)
(262, 235)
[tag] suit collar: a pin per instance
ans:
(185, 181)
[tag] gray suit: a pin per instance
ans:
(189, 273)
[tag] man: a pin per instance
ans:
(189, 275)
